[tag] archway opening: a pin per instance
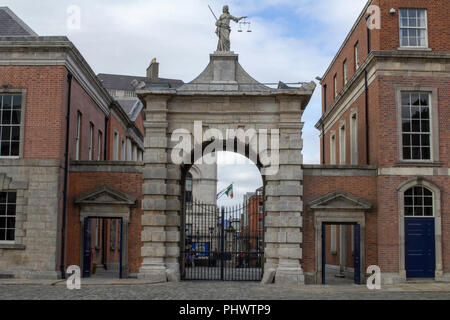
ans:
(222, 232)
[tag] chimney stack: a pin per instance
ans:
(153, 70)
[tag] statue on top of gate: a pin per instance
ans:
(223, 29)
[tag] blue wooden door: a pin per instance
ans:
(420, 254)
(87, 248)
(357, 253)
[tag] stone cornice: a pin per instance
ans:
(50, 51)
(106, 166)
(272, 93)
(339, 170)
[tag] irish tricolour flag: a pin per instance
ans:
(229, 192)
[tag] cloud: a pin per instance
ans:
(292, 40)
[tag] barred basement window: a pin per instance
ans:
(418, 202)
(413, 28)
(10, 122)
(7, 216)
(416, 132)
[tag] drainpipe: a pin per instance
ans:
(366, 89)
(66, 178)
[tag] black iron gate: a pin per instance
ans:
(222, 243)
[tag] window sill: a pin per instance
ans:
(419, 164)
(12, 246)
(414, 49)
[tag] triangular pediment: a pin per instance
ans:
(340, 200)
(106, 195)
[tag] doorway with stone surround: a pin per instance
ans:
(339, 209)
(99, 208)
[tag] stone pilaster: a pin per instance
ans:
(172, 242)
(154, 204)
(284, 199)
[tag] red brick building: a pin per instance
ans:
(385, 106)
(256, 219)
(60, 116)
(252, 226)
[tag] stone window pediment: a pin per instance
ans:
(339, 201)
(106, 196)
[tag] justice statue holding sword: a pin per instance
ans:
(223, 29)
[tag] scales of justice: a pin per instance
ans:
(223, 29)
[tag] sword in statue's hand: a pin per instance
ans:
(212, 12)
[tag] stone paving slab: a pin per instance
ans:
(198, 290)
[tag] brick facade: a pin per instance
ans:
(387, 69)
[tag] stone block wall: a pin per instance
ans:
(38, 187)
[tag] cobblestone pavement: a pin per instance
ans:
(220, 291)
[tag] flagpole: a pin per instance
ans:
(221, 193)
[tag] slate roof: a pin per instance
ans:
(12, 26)
(131, 107)
(123, 82)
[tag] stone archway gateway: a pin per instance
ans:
(223, 97)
